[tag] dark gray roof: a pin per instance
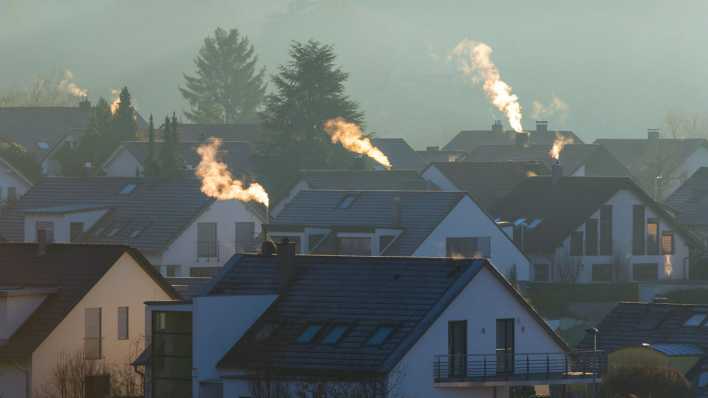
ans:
(73, 269)
(148, 218)
(401, 155)
(190, 286)
(420, 212)
(363, 179)
(690, 200)
(437, 155)
(244, 132)
(364, 292)
(468, 140)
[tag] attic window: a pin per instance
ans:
(135, 233)
(129, 188)
(113, 232)
(695, 320)
(43, 145)
(380, 335)
(335, 334)
(309, 334)
(346, 202)
(534, 223)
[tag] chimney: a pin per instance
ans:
(84, 104)
(286, 263)
(556, 172)
(396, 209)
(541, 127)
(653, 134)
(521, 139)
(497, 127)
(267, 248)
(41, 242)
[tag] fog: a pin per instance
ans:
(619, 66)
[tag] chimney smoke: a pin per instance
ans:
(350, 136)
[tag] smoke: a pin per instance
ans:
(219, 183)
(68, 86)
(115, 103)
(558, 144)
(474, 60)
(556, 107)
(353, 139)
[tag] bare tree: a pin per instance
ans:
(567, 268)
(686, 125)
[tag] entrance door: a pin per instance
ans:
(457, 348)
(505, 345)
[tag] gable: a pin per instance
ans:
(123, 164)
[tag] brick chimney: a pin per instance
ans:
(556, 173)
(285, 263)
(497, 127)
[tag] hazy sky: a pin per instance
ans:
(620, 66)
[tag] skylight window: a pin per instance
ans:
(695, 320)
(534, 223)
(309, 334)
(43, 145)
(129, 188)
(113, 232)
(346, 202)
(335, 334)
(380, 335)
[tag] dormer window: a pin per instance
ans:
(346, 202)
(380, 335)
(695, 320)
(127, 189)
(43, 146)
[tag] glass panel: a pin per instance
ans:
(646, 272)
(667, 243)
(380, 335)
(591, 237)
(123, 329)
(695, 320)
(652, 237)
(335, 334)
(638, 223)
(309, 334)
(576, 243)
(602, 272)
(606, 230)
(355, 246)
(206, 240)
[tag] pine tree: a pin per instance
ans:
(170, 159)
(151, 168)
(227, 86)
(125, 126)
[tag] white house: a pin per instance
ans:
(396, 223)
(170, 221)
(393, 326)
(595, 229)
(67, 302)
(13, 184)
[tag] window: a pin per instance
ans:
(43, 146)
(295, 239)
(457, 347)
(335, 334)
(591, 237)
(45, 230)
(309, 334)
(172, 271)
(695, 320)
(519, 236)
(384, 242)
(602, 272)
(171, 354)
(638, 230)
(112, 232)
(11, 194)
(203, 272)
(245, 233)
(505, 345)
(123, 323)
(355, 246)
(606, 230)
(646, 272)
(652, 236)
(127, 189)
(346, 202)
(667, 242)
(576, 243)
(75, 230)
(207, 246)
(380, 335)
(468, 247)
(541, 272)
(313, 241)
(92, 333)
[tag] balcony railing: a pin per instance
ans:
(483, 368)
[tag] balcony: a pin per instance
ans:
(503, 369)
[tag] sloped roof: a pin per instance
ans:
(401, 155)
(363, 179)
(489, 182)
(468, 140)
(364, 292)
(561, 208)
(690, 200)
(188, 287)
(436, 155)
(73, 269)
(148, 218)
(420, 212)
(632, 324)
(244, 132)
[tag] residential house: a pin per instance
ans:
(401, 155)
(659, 165)
(595, 229)
(13, 184)
(486, 182)
(396, 223)
(170, 221)
(68, 302)
(337, 326)
(433, 154)
(468, 140)
(657, 334)
(690, 203)
(199, 132)
(128, 160)
(352, 180)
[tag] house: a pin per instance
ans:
(690, 203)
(577, 159)
(13, 184)
(128, 160)
(401, 155)
(485, 182)
(68, 302)
(199, 132)
(659, 335)
(468, 140)
(396, 223)
(352, 180)
(170, 221)
(315, 325)
(595, 229)
(659, 165)
(433, 154)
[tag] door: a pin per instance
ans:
(457, 348)
(505, 345)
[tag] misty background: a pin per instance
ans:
(620, 67)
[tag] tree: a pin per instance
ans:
(17, 156)
(124, 124)
(93, 146)
(644, 382)
(170, 159)
(227, 87)
(151, 167)
(309, 91)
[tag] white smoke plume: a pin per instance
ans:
(353, 139)
(474, 60)
(556, 107)
(68, 86)
(219, 183)
(558, 144)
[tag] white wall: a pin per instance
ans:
(434, 175)
(8, 178)
(15, 309)
(62, 223)
(123, 164)
(218, 322)
(226, 213)
(468, 220)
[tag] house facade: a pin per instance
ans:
(468, 140)
(396, 223)
(71, 305)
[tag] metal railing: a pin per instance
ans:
(525, 366)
